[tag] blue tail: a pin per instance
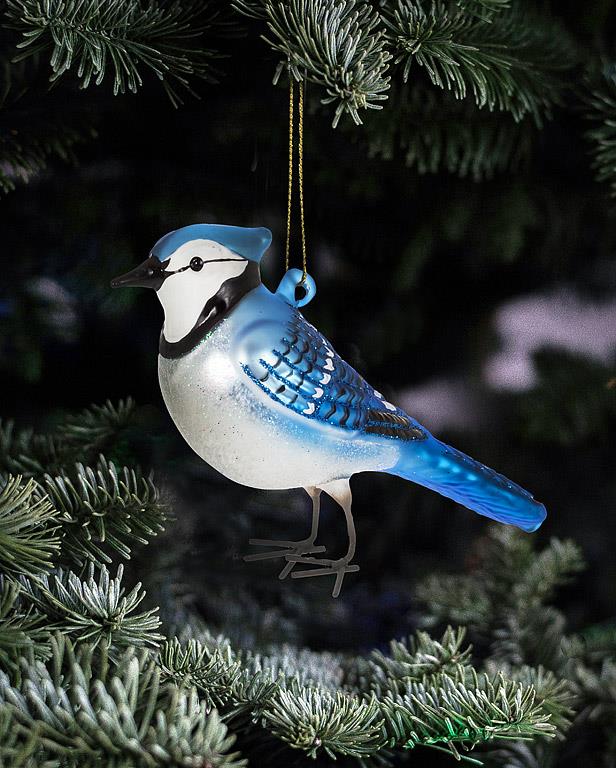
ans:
(455, 475)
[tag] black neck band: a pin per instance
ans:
(215, 310)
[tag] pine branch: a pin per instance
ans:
(322, 669)
(460, 716)
(94, 610)
(503, 600)
(530, 633)
(313, 719)
(458, 599)
(484, 9)
(551, 568)
(87, 712)
(35, 125)
(92, 430)
(557, 695)
(506, 63)
(101, 506)
(213, 672)
(80, 438)
(419, 659)
(602, 113)
(597, 643)
(26, 453)
(25, 155)
(21, 631)
(433, 132)
(126, 36)
(28, 528)
(336, 44)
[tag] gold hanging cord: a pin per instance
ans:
(300, 172)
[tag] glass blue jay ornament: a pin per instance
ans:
(262, 396)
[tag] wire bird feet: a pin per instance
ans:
(325, 567)
(287, 549)
(300, 552)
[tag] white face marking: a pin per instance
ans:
(184, 295)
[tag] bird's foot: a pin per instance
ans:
(287, 549)
(325, 567)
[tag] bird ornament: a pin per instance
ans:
(262, 396)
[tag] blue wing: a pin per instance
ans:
(301, 370)
(297, 367)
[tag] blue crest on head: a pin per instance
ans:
(249, 242)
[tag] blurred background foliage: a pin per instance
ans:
(464, 262)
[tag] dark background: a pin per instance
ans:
(411, 273)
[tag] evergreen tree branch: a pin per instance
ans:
(597, 692)
(94, 610)
(105, 506)
(484, 9)
(21, 630)
(213, 672)
(95, 428)
(602, 136)
(506, 63)
(126, 36)
(461, 715)
(79, 438)
(322, 669)
(558, 695)
(28, 528)
(26, 453)
(25, 155)
(503, 600)
(85, 711)
(336, 44)
(596, 643)
(33, 129)
(434, 132)
(419, 659)
(313, 719)
(551, 568)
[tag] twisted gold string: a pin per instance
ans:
(300, 174)
(290, 190)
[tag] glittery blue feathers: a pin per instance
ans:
(302, 372)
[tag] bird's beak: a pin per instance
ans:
(149, 274)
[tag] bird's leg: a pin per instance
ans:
(340, 491)
(292, 548)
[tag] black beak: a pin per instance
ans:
(150, 274)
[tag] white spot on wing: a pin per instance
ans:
(329, 366)
(325, 379)
(378, 394)
(309, 410)
(317, 393)
(389, 406)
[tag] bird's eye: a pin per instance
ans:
(196, 263)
